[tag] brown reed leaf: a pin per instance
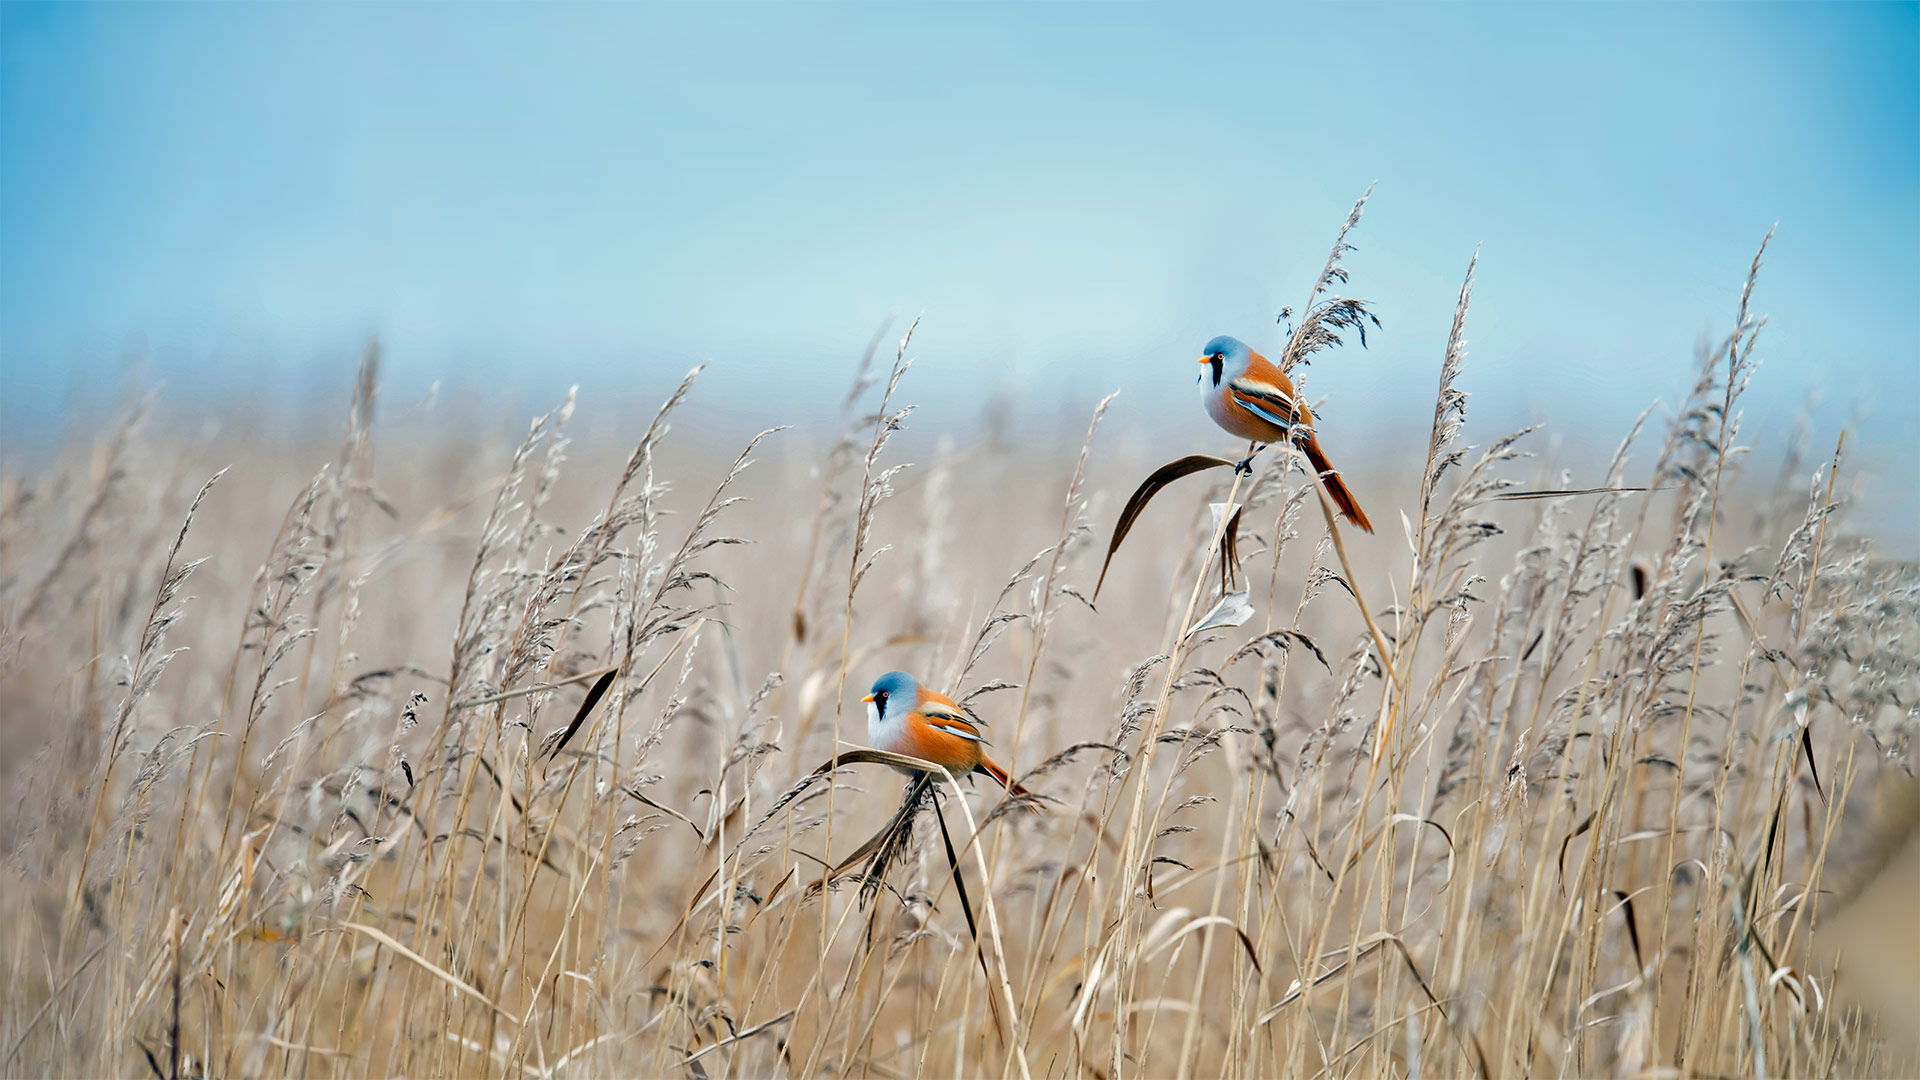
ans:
(1230, 548)
(1585, 824)
(1515, 496)
(1201, 923)
(1633, 926)
(1137, 502)
(634, 794)
(586, 706)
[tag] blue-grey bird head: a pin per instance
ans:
(897, 690)
(1225, 357)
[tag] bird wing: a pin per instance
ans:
(949, 720)
(1264, 399)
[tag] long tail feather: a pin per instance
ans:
(1337, 488)
(1014, 787)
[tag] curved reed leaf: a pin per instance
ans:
(1515, 496)
(586, 706)
(1137, 503)
(1230, 547)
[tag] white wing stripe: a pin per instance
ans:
(1267, 397)
(955, 730)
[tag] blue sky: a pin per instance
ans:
(1075, 196)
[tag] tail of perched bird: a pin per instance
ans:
(1336, 487)
(1014, 787)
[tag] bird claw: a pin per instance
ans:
(1243, 467)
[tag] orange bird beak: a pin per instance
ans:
(869, 697)
(1206, 359)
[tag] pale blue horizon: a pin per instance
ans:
(523, 197)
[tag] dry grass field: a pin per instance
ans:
(1552, 785)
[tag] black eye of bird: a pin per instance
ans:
(880, 701)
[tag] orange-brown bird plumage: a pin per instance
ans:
(1250, 397)
(904, 717)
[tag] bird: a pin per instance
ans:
(904, 717)
(1250, 397)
